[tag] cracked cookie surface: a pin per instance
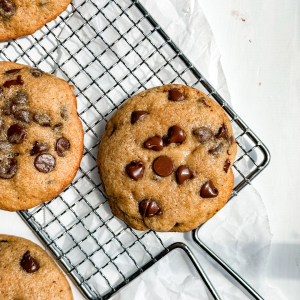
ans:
(27, 272)
(41, 136)
(165, 159)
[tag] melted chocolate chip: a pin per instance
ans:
(135, 170)
(58, 126)
(16, 134)
(17, 81)
(9, 108)
(203, 101)
(8, 168)
(20, 97)
(7, 8)
(175, 95)
(203, 134)
(13, 71)
(29, 264)
(176, 135)
(208, 190)
(42, 119)
(163, 166)
(39, 148)
(217, 150)
(138, 115)
(36, 72)
(1, 124)
(183, 173)
(3, 241)
(63, 113)
(226, 165)
(149, 208)
(44, 163)
(154, 143)
(22, 115)
(231, 140)
(62, 145)
(222, 133)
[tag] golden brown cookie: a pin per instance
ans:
(24, 17)
(165, 159)
(41, 136)
(27, 272)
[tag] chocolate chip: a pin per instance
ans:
(203, 101)
(5, 147)
(62, 145)
(208, 190)
(138, 115)
(58, 126)
(203, 134)
(39, 148)
(183, 173)
(222, 133)
(20, 97)
(175, 95)
(36, 72)
(29, 264)
(149, 208)
(226, 165)
(154, 143)
(63, 113)
(42, 119)
(7, 8)
(3, 241)
(22, 115)
(9, 108)
(13, 71)
(231, 140)
(217, 150)
(17, 81)
(8, 168)
(135, 170)
(1, 124)
(16, 134)
(44, 163)
(163, 166)
(176, 135)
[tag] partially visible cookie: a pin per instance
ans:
(24, 17)
(27, 272)
(41, 136)
(165, 159)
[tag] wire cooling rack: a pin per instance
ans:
(110, 50)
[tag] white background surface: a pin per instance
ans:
(261, 63)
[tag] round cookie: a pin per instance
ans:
(27, 272)
(41, 136)
(165, 159)
(24, 17)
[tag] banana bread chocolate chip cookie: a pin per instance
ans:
(165, 159)
(27, 272)
(41, 136)
(24, 17)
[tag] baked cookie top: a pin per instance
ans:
(27, 272)
(165, 159)
(24, 17)
(41, 136)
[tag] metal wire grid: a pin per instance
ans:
(99, 251)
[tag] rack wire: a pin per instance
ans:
(90, 45)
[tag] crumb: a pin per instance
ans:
(259, 83)
(250, 41)
(243, 19)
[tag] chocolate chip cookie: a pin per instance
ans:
(165, 159)
(24, 17)
(28, 272)
(41, 136)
